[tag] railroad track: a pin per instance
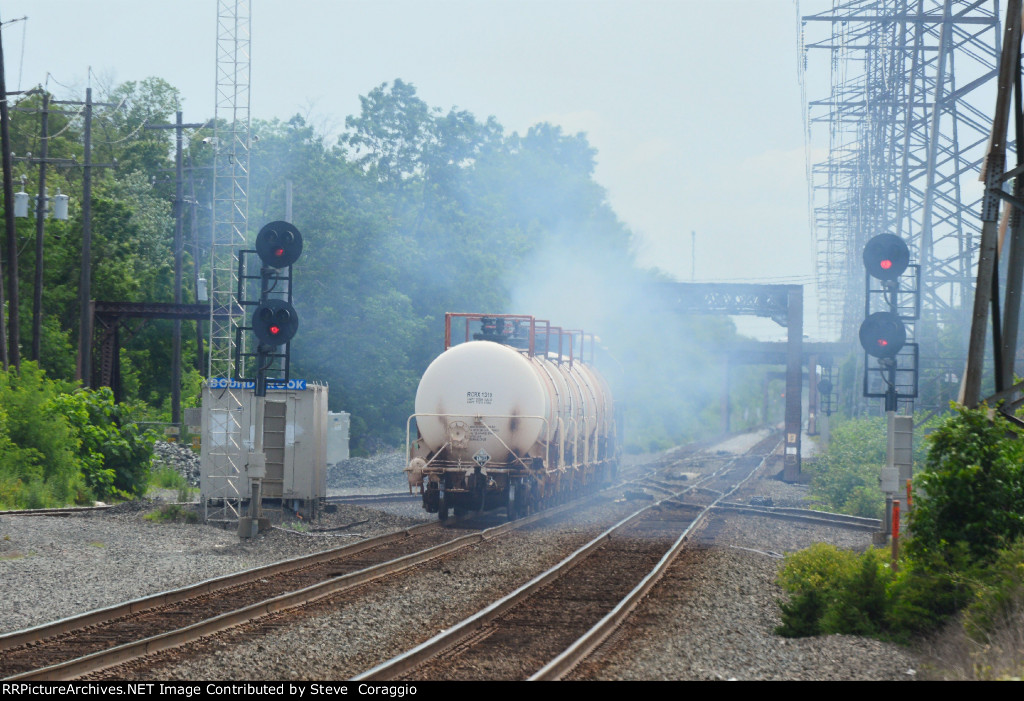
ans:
(551, 623)
(373, 498)
(806, 515)
(94, 641)
(63, 511)
(100, 639)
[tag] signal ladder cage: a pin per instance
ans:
(908, 308)
(249, 295)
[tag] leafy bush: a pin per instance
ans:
(927, 591)
(834, 591)
(116, 452)
(971, 491)
(966, 554)
(998, 593)
(845, 479)
(39, 465)
(172, 512)
(61, 445)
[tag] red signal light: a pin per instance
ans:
(275, 322)
(883, 334)
(279, 244)
(886, 257)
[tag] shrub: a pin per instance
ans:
(927, 591)
(172, 512)
(834, 591)
(116, 453)
(39, 447)
(845, 479)
(59, 444)
(998, 593)
(966, 553)
(971, 492)
(166, 477)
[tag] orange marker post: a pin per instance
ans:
(909, 505)
(895, 533)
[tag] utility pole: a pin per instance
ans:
(85, 278)
(200, 365)
(37, 293)
(693, 255)
(41, 202)
(84, 370)
(11, 356)
(179, 202)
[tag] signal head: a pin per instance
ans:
(279, 244)
(886, 256)
(883, 334)
(275, 322)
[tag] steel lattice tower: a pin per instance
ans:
(229, 236)
(231, 179)
(898, 92)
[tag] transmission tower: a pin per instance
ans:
(897, 92)
(230, 225)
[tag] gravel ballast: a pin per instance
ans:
(55, 567)
(715, 622)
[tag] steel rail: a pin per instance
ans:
(450, 637)
(132, 650)
(807, 515)
(589, 641)
(371, 498)
(63, 511)
(95, 617)
(91, 618)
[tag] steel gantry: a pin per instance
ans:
(784, 304)
(897, 95)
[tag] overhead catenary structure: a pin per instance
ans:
(897, 95)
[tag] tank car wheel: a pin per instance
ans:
(442, 509)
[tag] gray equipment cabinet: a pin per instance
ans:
(294, 441)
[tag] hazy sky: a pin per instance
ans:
(693, 105)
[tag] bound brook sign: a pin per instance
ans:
(223, 383)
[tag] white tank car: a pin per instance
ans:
(501, 424)
(482, 396)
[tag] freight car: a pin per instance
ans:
(510, 418)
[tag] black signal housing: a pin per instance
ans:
(883, 334)
(279, 244)
(886, 256)
(274, 322)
